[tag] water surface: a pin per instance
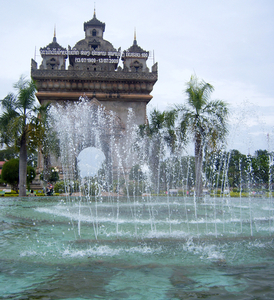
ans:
(136, 248)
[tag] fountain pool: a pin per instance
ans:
(136, 248)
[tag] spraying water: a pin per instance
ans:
(134, 229)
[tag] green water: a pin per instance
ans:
(139, 248)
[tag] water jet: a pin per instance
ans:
(131, 245)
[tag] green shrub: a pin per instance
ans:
(234, 194)
(92, 189)
(11, 195)
(10, 173)
(63, 187)
(59, 187)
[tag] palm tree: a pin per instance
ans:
(204, 120)
(19, 124)
(159, 131)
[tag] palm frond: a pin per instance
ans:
(157, 119)
(25, 94)
(22, 83)
(170, 118)
(198, 93)
(9, 102)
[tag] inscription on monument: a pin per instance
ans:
(94, 60)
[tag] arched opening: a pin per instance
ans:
(52, 63)
(136, 66)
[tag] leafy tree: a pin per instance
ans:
(237, 168)
(177, 172)
(134, 188)
(21, 124)
(12, 152)
(10, 173)
(53, 175)
(260, 166)
(136, 173)
(8, 153)
(225, 169)
(204, 120)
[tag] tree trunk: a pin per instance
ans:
(47, 167)
(198, 166)
(154, 162)
(23, 167)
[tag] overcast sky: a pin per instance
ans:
(228, 43)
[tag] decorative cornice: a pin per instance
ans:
(92, 86)
(72, 96)
(92, 75)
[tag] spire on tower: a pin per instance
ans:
(54, 34)
(135, 41)
(94, 13)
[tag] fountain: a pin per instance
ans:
(109, 243)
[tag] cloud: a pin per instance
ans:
(226, 43)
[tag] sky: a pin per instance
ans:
(228, 43)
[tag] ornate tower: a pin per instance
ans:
(54, 56)
(93, 71)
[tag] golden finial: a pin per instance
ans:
(94, 13)
(54, 34)
(134, 41)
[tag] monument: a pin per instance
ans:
(94, 72)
